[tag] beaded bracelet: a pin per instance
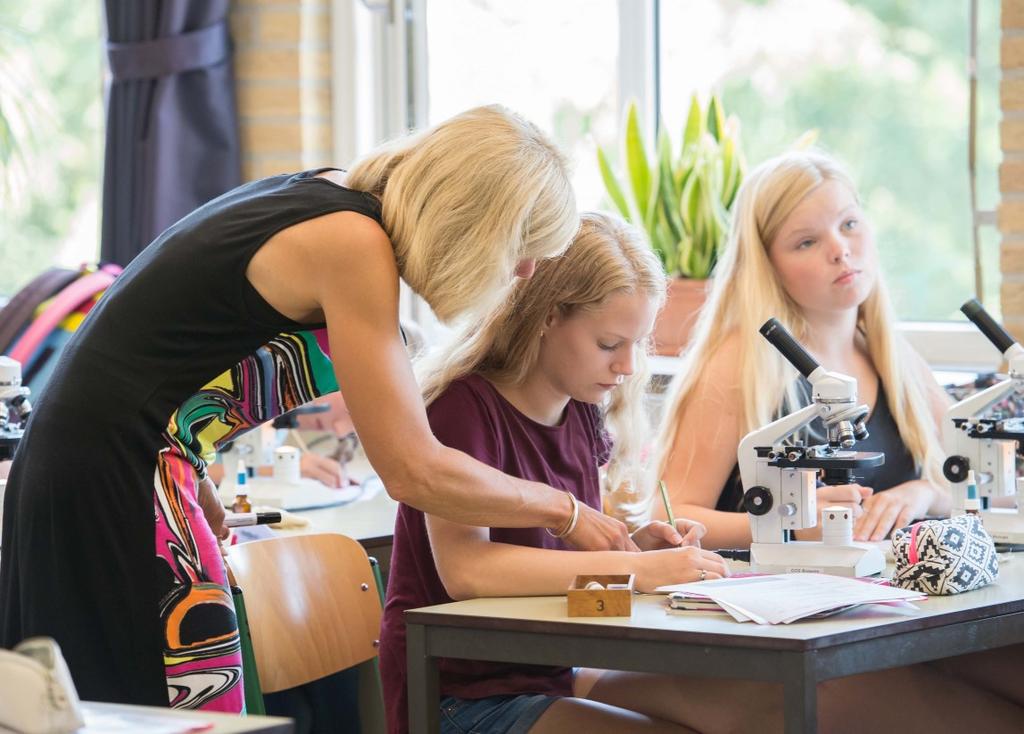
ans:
(573, 519)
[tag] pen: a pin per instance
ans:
(734, 554)
(668, 505)
(241, 519)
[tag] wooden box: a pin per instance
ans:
(607, 602)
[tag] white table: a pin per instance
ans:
(536, 630)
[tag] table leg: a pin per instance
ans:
(424, 689)
(800, 686)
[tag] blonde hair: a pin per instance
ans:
(464, 201)
(747, 291)
(606, 257)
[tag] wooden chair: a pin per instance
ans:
(312, 605)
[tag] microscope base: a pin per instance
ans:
(858, 559)
(1004, 525)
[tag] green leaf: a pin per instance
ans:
(694, 124)
(730, 171)
(669, 198)
(716, 118)
(652, 205)
(612, 185)
(670, 251)
(684, 201)
(683, 256)
(636, 163)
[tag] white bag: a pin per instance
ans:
(37, 695)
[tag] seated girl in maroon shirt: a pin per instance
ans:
(530, 391)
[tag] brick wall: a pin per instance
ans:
(1011, 171)
(283, 72)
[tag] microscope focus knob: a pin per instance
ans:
(955, 468)
(757, 500)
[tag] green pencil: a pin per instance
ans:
(668, 505)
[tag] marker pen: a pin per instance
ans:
(243, 519)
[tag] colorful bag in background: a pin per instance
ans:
(21, 309)
(38, 326)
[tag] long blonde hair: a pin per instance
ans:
(606, 257)
(747, 291)
(464, 201)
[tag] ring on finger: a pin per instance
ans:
(703, 575)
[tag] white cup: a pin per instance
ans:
(286, 464)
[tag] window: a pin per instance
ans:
(886, 86)
(51, 80)
(884, 83)
(553, 62)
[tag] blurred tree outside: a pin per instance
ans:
(51, 67)
(885, 84)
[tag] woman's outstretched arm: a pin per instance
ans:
(357, 287)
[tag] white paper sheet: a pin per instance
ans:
(783, 598)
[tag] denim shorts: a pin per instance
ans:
(493, 715)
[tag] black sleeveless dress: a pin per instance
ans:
(883, 435)
(104, 545)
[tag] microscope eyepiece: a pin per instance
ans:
(987, 325)
(790, 348)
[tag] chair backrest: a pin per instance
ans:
(312, 604)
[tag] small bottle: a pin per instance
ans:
(972, 505)
(241, 503)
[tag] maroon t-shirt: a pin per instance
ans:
(473, 417)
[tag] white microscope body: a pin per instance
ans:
(780, 480)
(988, 446)
(14, 407)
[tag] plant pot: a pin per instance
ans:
(676, 320)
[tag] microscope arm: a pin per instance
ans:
(979, 402)
(770, 435)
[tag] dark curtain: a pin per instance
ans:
(172, 125)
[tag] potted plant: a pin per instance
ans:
(682, 201)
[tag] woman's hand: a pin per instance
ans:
(325, 470)
(213, 508)
(893, 508)
(658, 535)
(596, 531)
(677, 566)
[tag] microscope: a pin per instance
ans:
(988, 445)
(781, 479)
(14, 407)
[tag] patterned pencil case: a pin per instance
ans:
(941, 557)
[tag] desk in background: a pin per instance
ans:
(800, 655)
(371, 521)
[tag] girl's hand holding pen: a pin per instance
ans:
(657, 535)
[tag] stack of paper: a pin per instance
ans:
(784, 598)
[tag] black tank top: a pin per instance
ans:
(883, 435)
